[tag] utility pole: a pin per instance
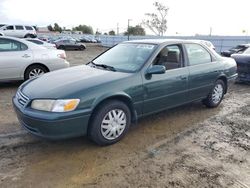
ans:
(128, 27)
(117, 31)
(210, 32)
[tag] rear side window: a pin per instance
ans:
(28, 28)
(10, 27)
(36, 42)
(11, 45)
(197, 54)
(19, 27)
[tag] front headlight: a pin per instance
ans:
(63, 105)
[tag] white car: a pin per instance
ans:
(42, 43)
(21, 31)
(22, 60)
(205, 42)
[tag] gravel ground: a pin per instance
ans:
(189, 146)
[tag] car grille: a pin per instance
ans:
(21, 98)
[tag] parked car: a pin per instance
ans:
(127, 82)
(208, 43)
(243, 65)
(21, 31)
(85, 39)
(235, 50)
(21, 59)
(67, 44)
(42, 43)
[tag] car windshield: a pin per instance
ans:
(247, 51)
(127, 57)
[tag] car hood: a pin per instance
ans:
(67, 82)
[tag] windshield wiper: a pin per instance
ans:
(104, 66)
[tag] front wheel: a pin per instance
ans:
(216, 95)
(110, 123)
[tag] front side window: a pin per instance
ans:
(19, 27)
(11, 45)
(197, 54)
(128, 57)
(10, 27)
(170, 57)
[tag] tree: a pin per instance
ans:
(84, 28)
(112, 32)
(98, 33)
(50, 28)
(157, 22)
(57, 27)
(137, 30)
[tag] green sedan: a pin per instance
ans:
(127, 82)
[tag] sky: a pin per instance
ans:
(185, 17)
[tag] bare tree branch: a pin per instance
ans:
(157, 22)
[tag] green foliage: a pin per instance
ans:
(84, 28)
(137, 30)
(55, 28)
(50, 28)
(112, 32)
(98, 33)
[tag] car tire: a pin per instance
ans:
(34, 71)
(29, 36)
(82, 48)
(109, 123)
(61, 47)
(216, 95)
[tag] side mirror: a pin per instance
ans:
(156, 69)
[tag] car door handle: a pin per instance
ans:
(25, 56)
(183, 77)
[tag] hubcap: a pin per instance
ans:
(217, 93)
(113, 124)
(35, 72)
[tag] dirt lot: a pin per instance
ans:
(190, 146)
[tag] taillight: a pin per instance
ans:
(62, 55)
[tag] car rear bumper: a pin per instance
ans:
(49, 125)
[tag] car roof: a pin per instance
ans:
(155, 41)
(165, 41)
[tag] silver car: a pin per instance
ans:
(22, 60)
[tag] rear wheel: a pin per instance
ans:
(29, 36)
(110, 123)
(216, 95)
(34, 71)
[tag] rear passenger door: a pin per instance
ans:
(203, 71)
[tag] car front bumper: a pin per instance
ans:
(52, 125)
(243, 77)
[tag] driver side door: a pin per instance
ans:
(162, 91)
